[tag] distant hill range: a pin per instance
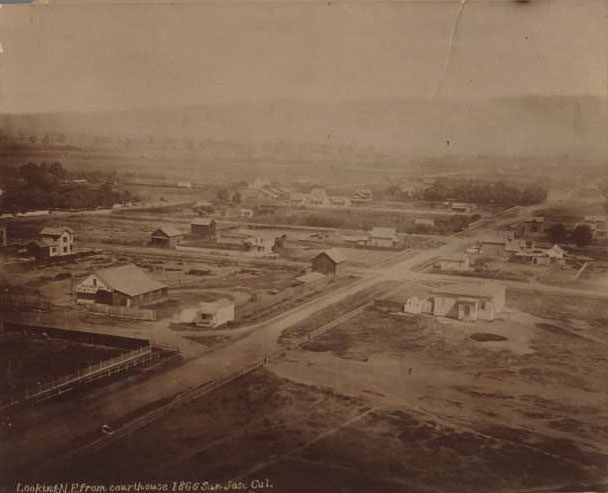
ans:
(510, 127)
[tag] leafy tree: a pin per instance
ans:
(558, 233)
(582, 235)
(57, 169)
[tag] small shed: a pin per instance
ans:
(329, 262)
(203, 227)
(166, 236)
(208, 314)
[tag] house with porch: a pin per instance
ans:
(53, 242)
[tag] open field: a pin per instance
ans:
(435, 406)
(594, 277)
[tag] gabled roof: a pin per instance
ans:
(168, 231)
(42, 243)
(55, 231)
(129, 279)
(471, 290)
(203, 221)
(378, 232)
(336, 256)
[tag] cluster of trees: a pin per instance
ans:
(487, 193)
(43, 186)
(581, 236)
(226, 196)
(365, 220)
(475, 191)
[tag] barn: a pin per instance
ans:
(124, 285)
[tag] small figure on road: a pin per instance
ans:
(409, 371)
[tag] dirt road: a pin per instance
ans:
(60, 426)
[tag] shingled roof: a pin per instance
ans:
(55, 231)
(336, 256)
(168, 231)
(129, 279)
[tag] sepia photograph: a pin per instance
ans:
(304, 246)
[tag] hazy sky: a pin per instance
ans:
(97, 56)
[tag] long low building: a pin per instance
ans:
(463, 301)
(125, 285)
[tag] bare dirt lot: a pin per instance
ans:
(25, 361)
(434, 407)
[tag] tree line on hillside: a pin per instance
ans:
(475, 191)
(44, 186)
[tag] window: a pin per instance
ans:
(94, 281)
(482, 305)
